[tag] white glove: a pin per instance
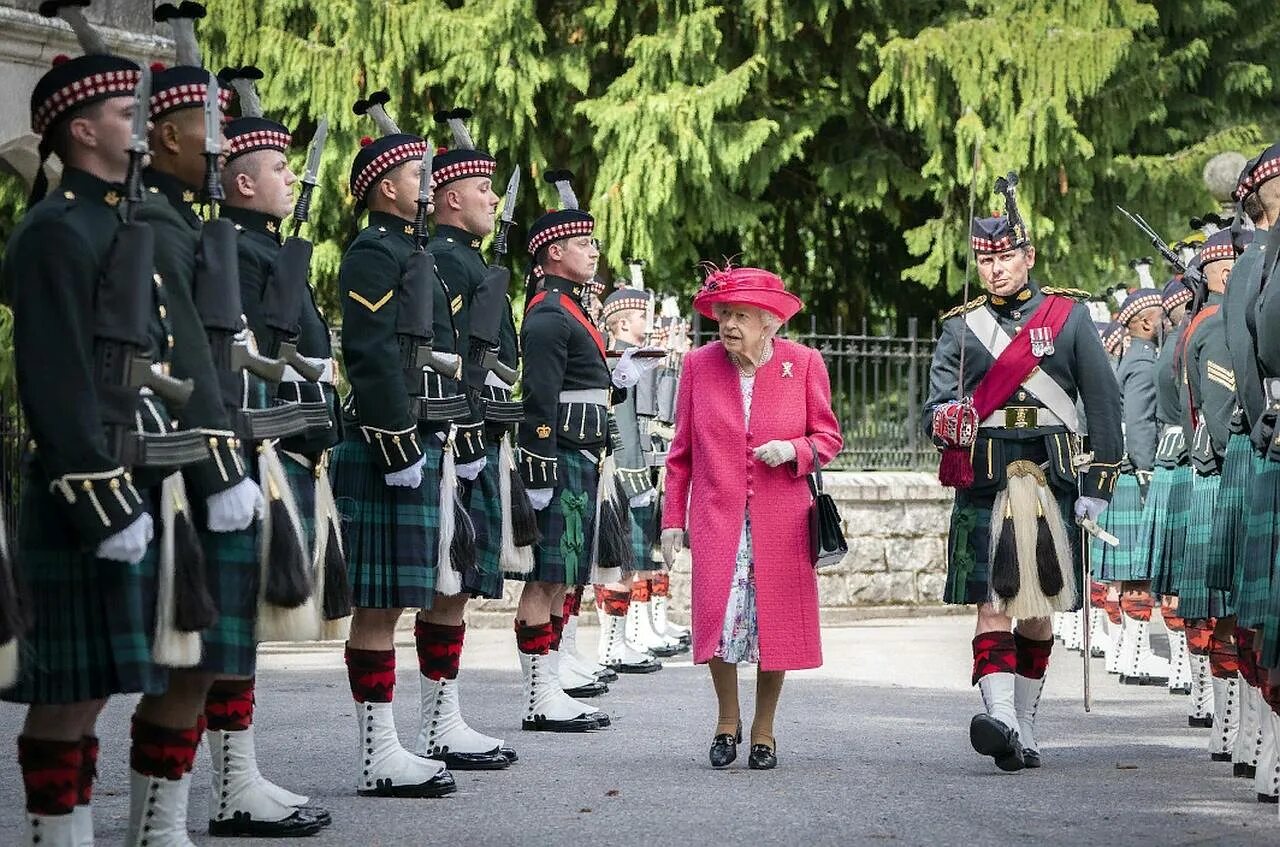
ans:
(471, 470)
(128, 545)
(236, 508)
(774, 453)
(629, 369)
(410, 477)
(540, 498)
(672, 543)
(642, 500)
(1090, 507)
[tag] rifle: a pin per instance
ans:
(1194, 277)
(490, 304)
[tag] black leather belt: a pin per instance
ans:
(439, 409)
(169, 450)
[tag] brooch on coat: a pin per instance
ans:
(786, 368)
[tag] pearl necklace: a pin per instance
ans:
(739, 361)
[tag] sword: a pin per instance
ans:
(302, 209)
(1089, 530)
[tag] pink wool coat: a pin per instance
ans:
(713, 478)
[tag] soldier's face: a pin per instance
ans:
(1006, 273)
(473, 202)
(269, 186)
(630, 327)
(109, 128)
(577, 257)
(400, 187)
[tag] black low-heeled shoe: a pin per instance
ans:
(762, 757)
(724, 748)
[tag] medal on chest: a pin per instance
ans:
(1041, 341)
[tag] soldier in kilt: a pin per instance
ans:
(1033, 391)
(563, 438)
(386, 469)
(1143, 317)
(464, 209)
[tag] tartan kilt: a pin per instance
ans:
(1169, 527)
(1195, 600)
(969, 545)
(233, 570)
(302, 482)
(557, 558)
(1124, 520)
(484, 503)
(1228, 513)
(93, 620)
(1101, 555)
(390, 534)
(1261, 529)
(643, 523)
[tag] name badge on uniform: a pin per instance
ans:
(1041, 341)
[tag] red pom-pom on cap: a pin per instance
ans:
(366, 141)
(60, 58)
(440, 151)
(156, 67)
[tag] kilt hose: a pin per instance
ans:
(390, 533)
(1169, 531)
(93, 620)
(567, 526)
(483, 500)
(1228, 513)
(1124, 520)
(969, 545)
(232, 568)
(1195, 600)
(1252, 588)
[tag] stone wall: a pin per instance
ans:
(896, 525)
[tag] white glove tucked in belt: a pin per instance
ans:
(470, 470)
(236, 508)
(540, 498)
(128, 545)
(410, 477)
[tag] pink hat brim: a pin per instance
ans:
(781, 303)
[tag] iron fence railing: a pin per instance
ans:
(879, 382)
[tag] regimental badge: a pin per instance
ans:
(408, 230)
(188, 197)
(272, 228)
(543, 431)
(1041, 341)
(112, 199)
(786, 369)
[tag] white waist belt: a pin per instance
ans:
(1044, 417)
(290, 375)
(594, 396)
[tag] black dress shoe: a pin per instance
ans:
(320, 813)
(1030, 758)
(607, 675)
(241, 825)
(491, 760)
(724, 748)
(762, 758)
(666, 652)
(1243, 770)
(1220, 757)
(648, 665)
(510, 754)
(438, 786)
(1205, 722)
(591, 689)
(538, 723)
(991, 737)
(1268, 798)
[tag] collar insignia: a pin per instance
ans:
(544, 431)
(408, 229)
(475, 244)
(271, 227)
(111, 199)
(188, 197)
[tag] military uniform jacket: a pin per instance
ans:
(171, 213)
(369, 283)
(1137, 379)
(1211, 384)
(258, 247)
(52, 265)
(1238, 312)
(634, 447)
(1268, 341)
(1078, 364)
(563, 352)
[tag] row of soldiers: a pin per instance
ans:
(1195, 509)
(194, 484)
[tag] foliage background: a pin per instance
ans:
(828, 139)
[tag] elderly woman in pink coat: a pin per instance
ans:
(753, 416)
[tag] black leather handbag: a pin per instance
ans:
(826, 535)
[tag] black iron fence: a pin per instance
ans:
(879, 381)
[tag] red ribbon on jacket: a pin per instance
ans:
(575, 312)
(1017, 361)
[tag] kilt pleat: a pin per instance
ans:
(1169, 528)
(1261, 528)
(567, 526)
(93, 619)
(1128, 560)
(390, 533)
(1195, 600)
(1228, 513)
(484, 503)
(642, 536)
(233, 572)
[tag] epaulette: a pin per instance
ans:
(1074, 293)
(967, 307)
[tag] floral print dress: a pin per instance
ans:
(740, 638)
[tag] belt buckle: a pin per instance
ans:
(1272, 387)
(1021, 417)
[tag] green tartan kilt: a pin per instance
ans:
(643, 534)
(1261, 528)
(1228, 513)
(93, 620)
(1195, 600)
(484, 503)
(1124, 520)
(233, 571)
(969, 545)
(302, 483)
(1169, 527)
(567, 549)
(391, 534)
